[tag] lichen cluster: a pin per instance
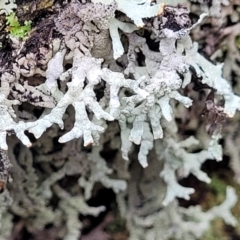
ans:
(96, 94)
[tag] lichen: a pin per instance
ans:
(103, 92)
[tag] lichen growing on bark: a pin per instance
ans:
(104, 93)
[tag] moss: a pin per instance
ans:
(14, 27)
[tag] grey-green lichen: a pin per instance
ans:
(106, 88)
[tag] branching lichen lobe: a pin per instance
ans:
(55, 76)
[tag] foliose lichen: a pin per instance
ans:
(109, 80)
